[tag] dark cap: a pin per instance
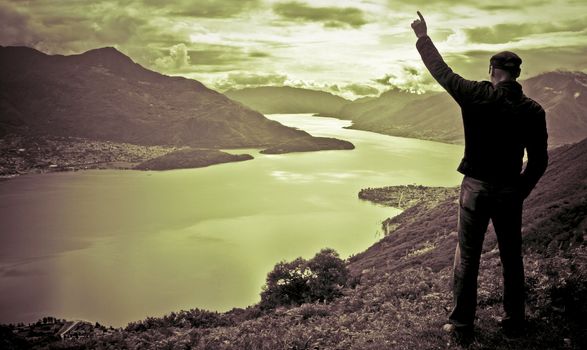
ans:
(507, 60)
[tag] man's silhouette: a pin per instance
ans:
(500, 122)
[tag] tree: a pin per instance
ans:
(302, 281)
(330, 275)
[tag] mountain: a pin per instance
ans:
(285, 99)
(563, 95)
(103, 95)
(373, 110)
(428, 116)
(432, 116)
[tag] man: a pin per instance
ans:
(500, 122)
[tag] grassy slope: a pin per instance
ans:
(403, 295)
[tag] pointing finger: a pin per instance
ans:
(421, 17)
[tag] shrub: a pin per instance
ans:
(313, 310)
(300, 281)
(329, 275)
(195, 318)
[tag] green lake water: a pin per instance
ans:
(116, 246)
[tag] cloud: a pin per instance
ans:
(506, 32)
(259, 54)
(346, 90)
(385, 80)
(205, 8)
(15, 27)
(218, 55)
(202, 60)
(329, 16)
(229, 41)
(177, 59)
(361, 89)
(473, 64)
(204, 56)
(504, 4)
(415, 79)
(242, 80)
(77, 26)
(117, 26)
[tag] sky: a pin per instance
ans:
(352, 48)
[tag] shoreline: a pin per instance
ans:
(23, 154)
(412, 199)
(26, 154)
(406, 196)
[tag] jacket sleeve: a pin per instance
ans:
(536, 148)
(462, 90)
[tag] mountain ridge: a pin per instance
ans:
(436, 116)
(287, 99)
(102, 94)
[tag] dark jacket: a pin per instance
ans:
(499, 123)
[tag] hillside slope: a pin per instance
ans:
(431, 116)
(103, 95)
(286, 99)
(373, 112)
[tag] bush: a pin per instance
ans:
(313, 310)
(195, 318)
(300, 281)
(329, 275)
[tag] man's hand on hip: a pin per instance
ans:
(419, 26)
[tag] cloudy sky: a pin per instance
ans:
(349, 47)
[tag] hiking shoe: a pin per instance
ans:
(462, 335)
(449, 328)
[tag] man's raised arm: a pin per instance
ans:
(458, 87)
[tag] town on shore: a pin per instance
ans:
(25, 154)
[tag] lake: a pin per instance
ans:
(115, 246)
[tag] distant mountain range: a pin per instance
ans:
(435, 115)
(285, 99)
(102, 94)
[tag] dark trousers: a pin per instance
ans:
(478, 203)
